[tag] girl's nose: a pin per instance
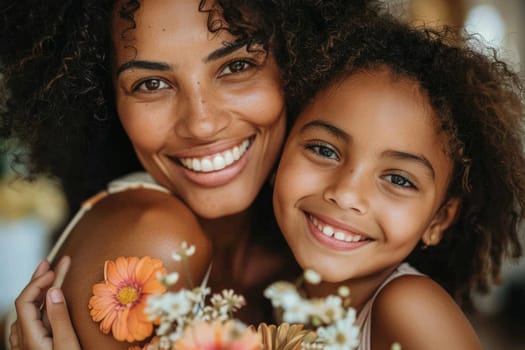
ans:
(348, 192)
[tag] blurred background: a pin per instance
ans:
(31, 213)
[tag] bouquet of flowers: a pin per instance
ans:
(195, 319)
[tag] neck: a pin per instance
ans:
(228, 231)
(229, 237)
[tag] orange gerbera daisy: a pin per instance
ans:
(118, 302)
(217, 335)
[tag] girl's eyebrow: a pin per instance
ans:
(319, 124)
(149, 65)
(419, 158)
(340, 134)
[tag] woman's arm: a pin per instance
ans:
(137, 223)
(417, 313)
(133, 223)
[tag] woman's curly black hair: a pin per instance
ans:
(56, 62)
(478, 102)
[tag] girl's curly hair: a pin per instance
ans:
(478, 102)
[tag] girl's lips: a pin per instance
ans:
(334, 237)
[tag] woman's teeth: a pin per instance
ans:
(217, 161)
(331, 232)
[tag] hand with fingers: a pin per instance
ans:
(31, 331)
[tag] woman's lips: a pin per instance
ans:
(217, 161)
(217, 169)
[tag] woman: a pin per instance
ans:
(190, 82)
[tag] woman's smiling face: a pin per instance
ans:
(363, 177)
(206, 116)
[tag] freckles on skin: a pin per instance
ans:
(203, 107)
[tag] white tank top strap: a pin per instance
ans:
(364, 320)
(128, 182)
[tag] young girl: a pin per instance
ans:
(409, 152)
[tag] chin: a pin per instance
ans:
(222, 211)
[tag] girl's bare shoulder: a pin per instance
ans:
(418, 313)
(139, 222)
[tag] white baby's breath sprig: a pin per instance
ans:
(177, 310)
(312, 276)
(341, 335)
(185, 251)
(331, 316)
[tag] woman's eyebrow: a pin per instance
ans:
(419, 158)
(319, 124)
(149, 65)
(225, 50)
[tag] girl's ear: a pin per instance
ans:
(441, 221)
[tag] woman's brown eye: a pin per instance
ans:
(237, 66)
(151, 85)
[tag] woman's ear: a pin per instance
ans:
(442, 220)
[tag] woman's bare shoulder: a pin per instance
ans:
(418, 313)
(137, 223)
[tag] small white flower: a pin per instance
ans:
(396, 346)
(281, 292)
(169, 279)
(331, 309)
(297, 311)
(343, 291)
(342, 335)
(177, 304)
(184, 252)
(312, 276)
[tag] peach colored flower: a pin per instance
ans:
(217, 335)
(118, 302)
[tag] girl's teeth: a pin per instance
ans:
(338, 235)
(328, 231)
(218, 161)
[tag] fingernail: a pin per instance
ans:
(56, 296)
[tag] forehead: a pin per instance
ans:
(375, 91)
(387, 109)
(163, 27)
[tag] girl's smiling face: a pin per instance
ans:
(206, 116)
(363, 178)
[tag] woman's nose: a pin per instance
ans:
(348, 192)
(200, 114)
